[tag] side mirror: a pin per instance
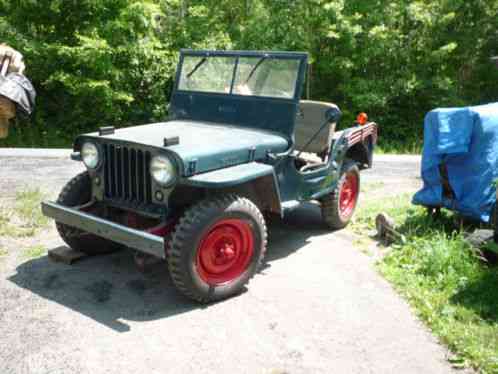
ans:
(333, 115)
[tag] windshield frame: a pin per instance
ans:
(301, 57)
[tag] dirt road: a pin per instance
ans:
(318, 306)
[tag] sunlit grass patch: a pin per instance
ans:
(396, 206)
(25, 217)
(371, 186)
(440, 275)
(34, 251)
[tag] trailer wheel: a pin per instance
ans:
(338, 207)
(216, 248)
(78, 192)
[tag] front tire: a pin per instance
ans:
(217, 247)
(338, 207)
(78, 191)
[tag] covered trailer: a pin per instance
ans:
(460, 161)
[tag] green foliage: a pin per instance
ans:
(112, 62)
(444, 280)
(25, 218)
(34, 251)
(93, 63)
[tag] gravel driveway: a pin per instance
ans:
(318, 306)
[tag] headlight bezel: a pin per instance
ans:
(98, 154)
(173, 170)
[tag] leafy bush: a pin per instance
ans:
(111, 62)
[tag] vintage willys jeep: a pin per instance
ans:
(195, 189)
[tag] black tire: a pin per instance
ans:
(188, 243)
(335, 217)
(78, 191)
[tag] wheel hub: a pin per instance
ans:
(348, 195)
(225, 253)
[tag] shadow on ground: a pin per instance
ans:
(110, 289)
(481, 295)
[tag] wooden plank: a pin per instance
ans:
(66, 255)
(385, 230)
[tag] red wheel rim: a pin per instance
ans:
(349, 194)
(225, 252)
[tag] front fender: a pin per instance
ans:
(259, 179)
(231, 176)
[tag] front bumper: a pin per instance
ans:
(136, 239)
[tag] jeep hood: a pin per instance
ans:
(208, 146)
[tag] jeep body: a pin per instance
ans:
(239, 143)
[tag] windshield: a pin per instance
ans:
(254, 76)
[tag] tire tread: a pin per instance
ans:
(186, 228)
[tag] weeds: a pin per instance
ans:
(442, 278)
(25, 218)
(371, 186)
(34, 252)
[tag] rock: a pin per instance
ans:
(480, 237)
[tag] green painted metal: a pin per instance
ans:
(271, 113)
(222, 140)
(231, 176)
(211, 145)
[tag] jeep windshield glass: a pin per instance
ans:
(207, 74)
(271, 77)
(251, 73)
(254, 76)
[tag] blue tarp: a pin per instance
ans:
(466, 141)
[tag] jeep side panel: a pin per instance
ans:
(254, 180)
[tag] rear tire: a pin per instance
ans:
(216, 248)
(338, 207)
(76, 192)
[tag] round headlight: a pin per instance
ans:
(162, 170)
(90, 155)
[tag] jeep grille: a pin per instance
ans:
(126, 174)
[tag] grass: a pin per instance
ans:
(410, 147)
(34, 252)
(449, 287)
(25, 218)
(371, 186)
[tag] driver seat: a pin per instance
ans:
(311, 116)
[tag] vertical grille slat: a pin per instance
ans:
(119, 178)
(133, 174)
(127, 176)
(142, 170)
(148, 187)
(114, 174)
(139, 175)
(124, 171)
(106, 168)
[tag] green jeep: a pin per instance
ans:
(195, 190)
